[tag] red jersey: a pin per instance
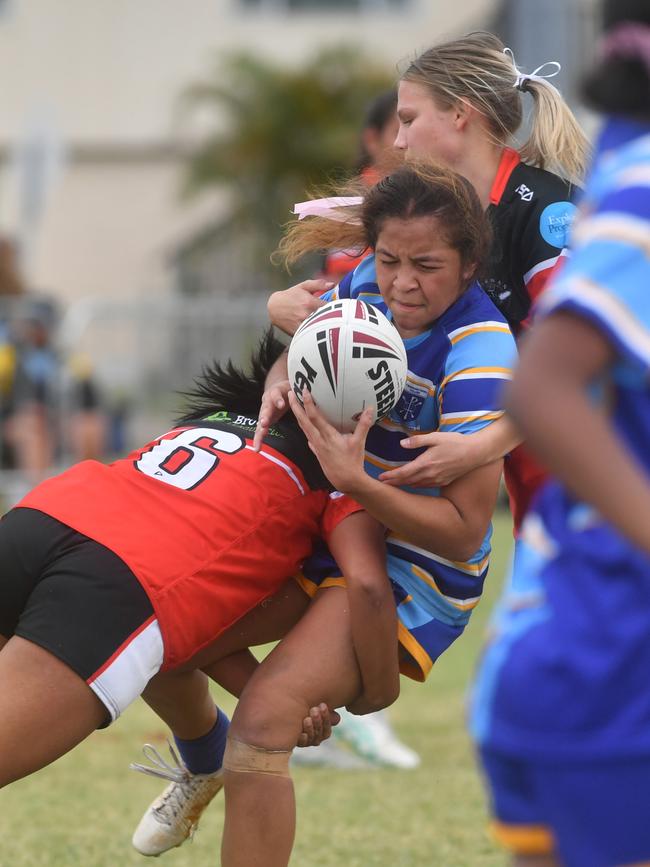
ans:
(208, 526)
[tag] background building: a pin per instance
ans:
(93, 143)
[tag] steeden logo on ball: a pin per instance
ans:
(349, 356)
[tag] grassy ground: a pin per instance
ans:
(81, 811)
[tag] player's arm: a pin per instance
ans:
(549, 400)
(357, 544)
(452, 455)
(453, 524)
(289, 307)
(274, 400)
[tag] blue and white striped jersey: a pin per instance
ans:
(456, 372)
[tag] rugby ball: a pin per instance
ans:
(349, 356)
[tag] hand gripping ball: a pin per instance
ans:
(349, 356)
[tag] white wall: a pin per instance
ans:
(105, 75)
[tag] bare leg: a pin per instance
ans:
(315, 662)
(182, 698)
(48, 709)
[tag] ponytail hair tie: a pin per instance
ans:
(522, 79)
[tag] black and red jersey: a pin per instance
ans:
(208, 526)
(531, 211)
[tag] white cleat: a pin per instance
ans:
(174, 816)
(327, 755)
(372, 737)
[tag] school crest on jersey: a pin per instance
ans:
(411, 403)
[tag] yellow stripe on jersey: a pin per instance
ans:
(460, 604)
(461, 417)
(475, 569)
(383, 464)
(388, 424)
(478, 328)
(523, 839)
(311, 588)
(478, 373)
(423, 662)
(418, 381)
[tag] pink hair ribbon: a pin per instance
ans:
(330, 208)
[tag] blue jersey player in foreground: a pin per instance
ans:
(430, 235)
(561, 705)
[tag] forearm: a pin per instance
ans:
(604, 473)
(494, 441)
(278, 372)
(373, 620)
(287, 309)
(433, 523)
(359, 549)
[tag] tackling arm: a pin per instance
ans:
(357, 544)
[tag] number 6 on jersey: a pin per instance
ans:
(186, 458)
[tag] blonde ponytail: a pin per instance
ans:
(556, 142)
(478, 69)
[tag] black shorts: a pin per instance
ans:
(78, 600)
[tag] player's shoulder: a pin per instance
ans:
(530, 185)
(362, 281)
(475, 325)
(540, 202)
(473, 308)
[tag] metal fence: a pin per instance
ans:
(138, 355)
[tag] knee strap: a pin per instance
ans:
(247, 759)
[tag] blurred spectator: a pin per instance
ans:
(88, 425)
(378, 133)
(10, 280)
(30, 417)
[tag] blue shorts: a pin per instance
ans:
(422, 637)
(589, 813)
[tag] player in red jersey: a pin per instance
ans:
(113, 573)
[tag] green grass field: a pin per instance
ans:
(81, 811)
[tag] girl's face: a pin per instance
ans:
(425, 130)
(418, 273)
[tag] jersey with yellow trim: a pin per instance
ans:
(572, 633)
(456, 371)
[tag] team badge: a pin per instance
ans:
(409, 406)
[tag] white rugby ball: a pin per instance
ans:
(349, 356)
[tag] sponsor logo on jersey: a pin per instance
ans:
(555, 222)
(525, 193)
